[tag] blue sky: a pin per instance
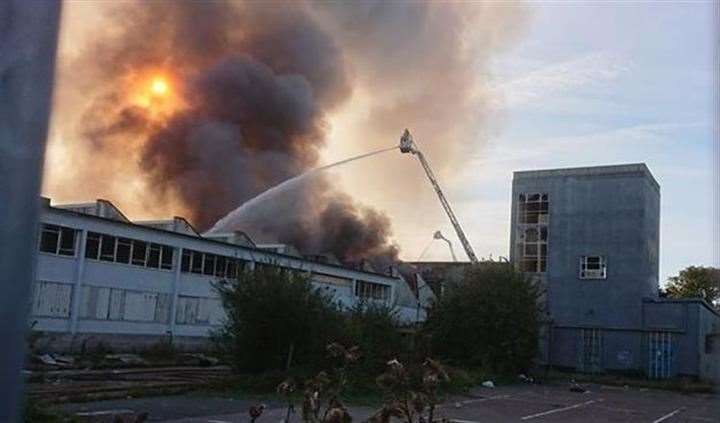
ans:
(605, 83)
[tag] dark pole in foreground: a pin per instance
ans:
(28, 41)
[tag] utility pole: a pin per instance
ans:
(28, 43)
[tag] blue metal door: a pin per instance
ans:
(660, 355)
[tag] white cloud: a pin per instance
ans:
(559, 78)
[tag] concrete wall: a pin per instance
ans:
(688, 326)
(611, 211)
(78, 298)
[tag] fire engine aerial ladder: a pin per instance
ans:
(439, 235)
(407, 145)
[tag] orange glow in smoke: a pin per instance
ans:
(159, 86)
(156, 93)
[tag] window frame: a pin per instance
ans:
(584, 269)
(60, 232)
(148, 250)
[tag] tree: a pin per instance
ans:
(696, 282)
(489, 319)
(272, 313)
(374, 329)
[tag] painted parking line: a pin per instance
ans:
(472, 401)
(668, 415)
(458, 404)
(560, 410)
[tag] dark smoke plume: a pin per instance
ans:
(256, 83)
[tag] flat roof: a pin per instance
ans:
(620, 169)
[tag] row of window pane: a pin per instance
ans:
(532, 249)
(533, 208)
(56, 239)
(371, 290)
(128, 251)
(210, 264)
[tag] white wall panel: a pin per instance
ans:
(51, 299)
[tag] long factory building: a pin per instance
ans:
(102, 279)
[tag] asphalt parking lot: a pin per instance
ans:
(519, 403)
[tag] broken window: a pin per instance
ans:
(186, 259)
(197, 262)
(56, 239)
(211, 264)
(533, 208)
(125, 250)
(154, 256)
(67, 242)
(220, 264)
(593, 267)
(107, 248)
(124, 246)
(370, 290)
(167, 257)
(49, 238)
(209, 267)
(532, 232)
(139, 255)
(92, 246)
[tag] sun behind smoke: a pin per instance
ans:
(156, 94)
(159, 86)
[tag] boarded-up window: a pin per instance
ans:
(99, 303)
(140, 306)
(51, 299)
(198, 311)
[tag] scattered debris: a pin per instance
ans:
(198, 359)
(526, 379)
(46, 359)
(256, 411)
(488, 384)
(83, 384)
(130, 359)
(576, 387)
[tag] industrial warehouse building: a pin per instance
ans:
(590, 237)
(102, 279)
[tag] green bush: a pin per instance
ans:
(489, 320)
(271, 311)
(373, 328)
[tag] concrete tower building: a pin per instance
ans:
(590, 237)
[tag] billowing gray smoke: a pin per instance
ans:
(255, 83)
